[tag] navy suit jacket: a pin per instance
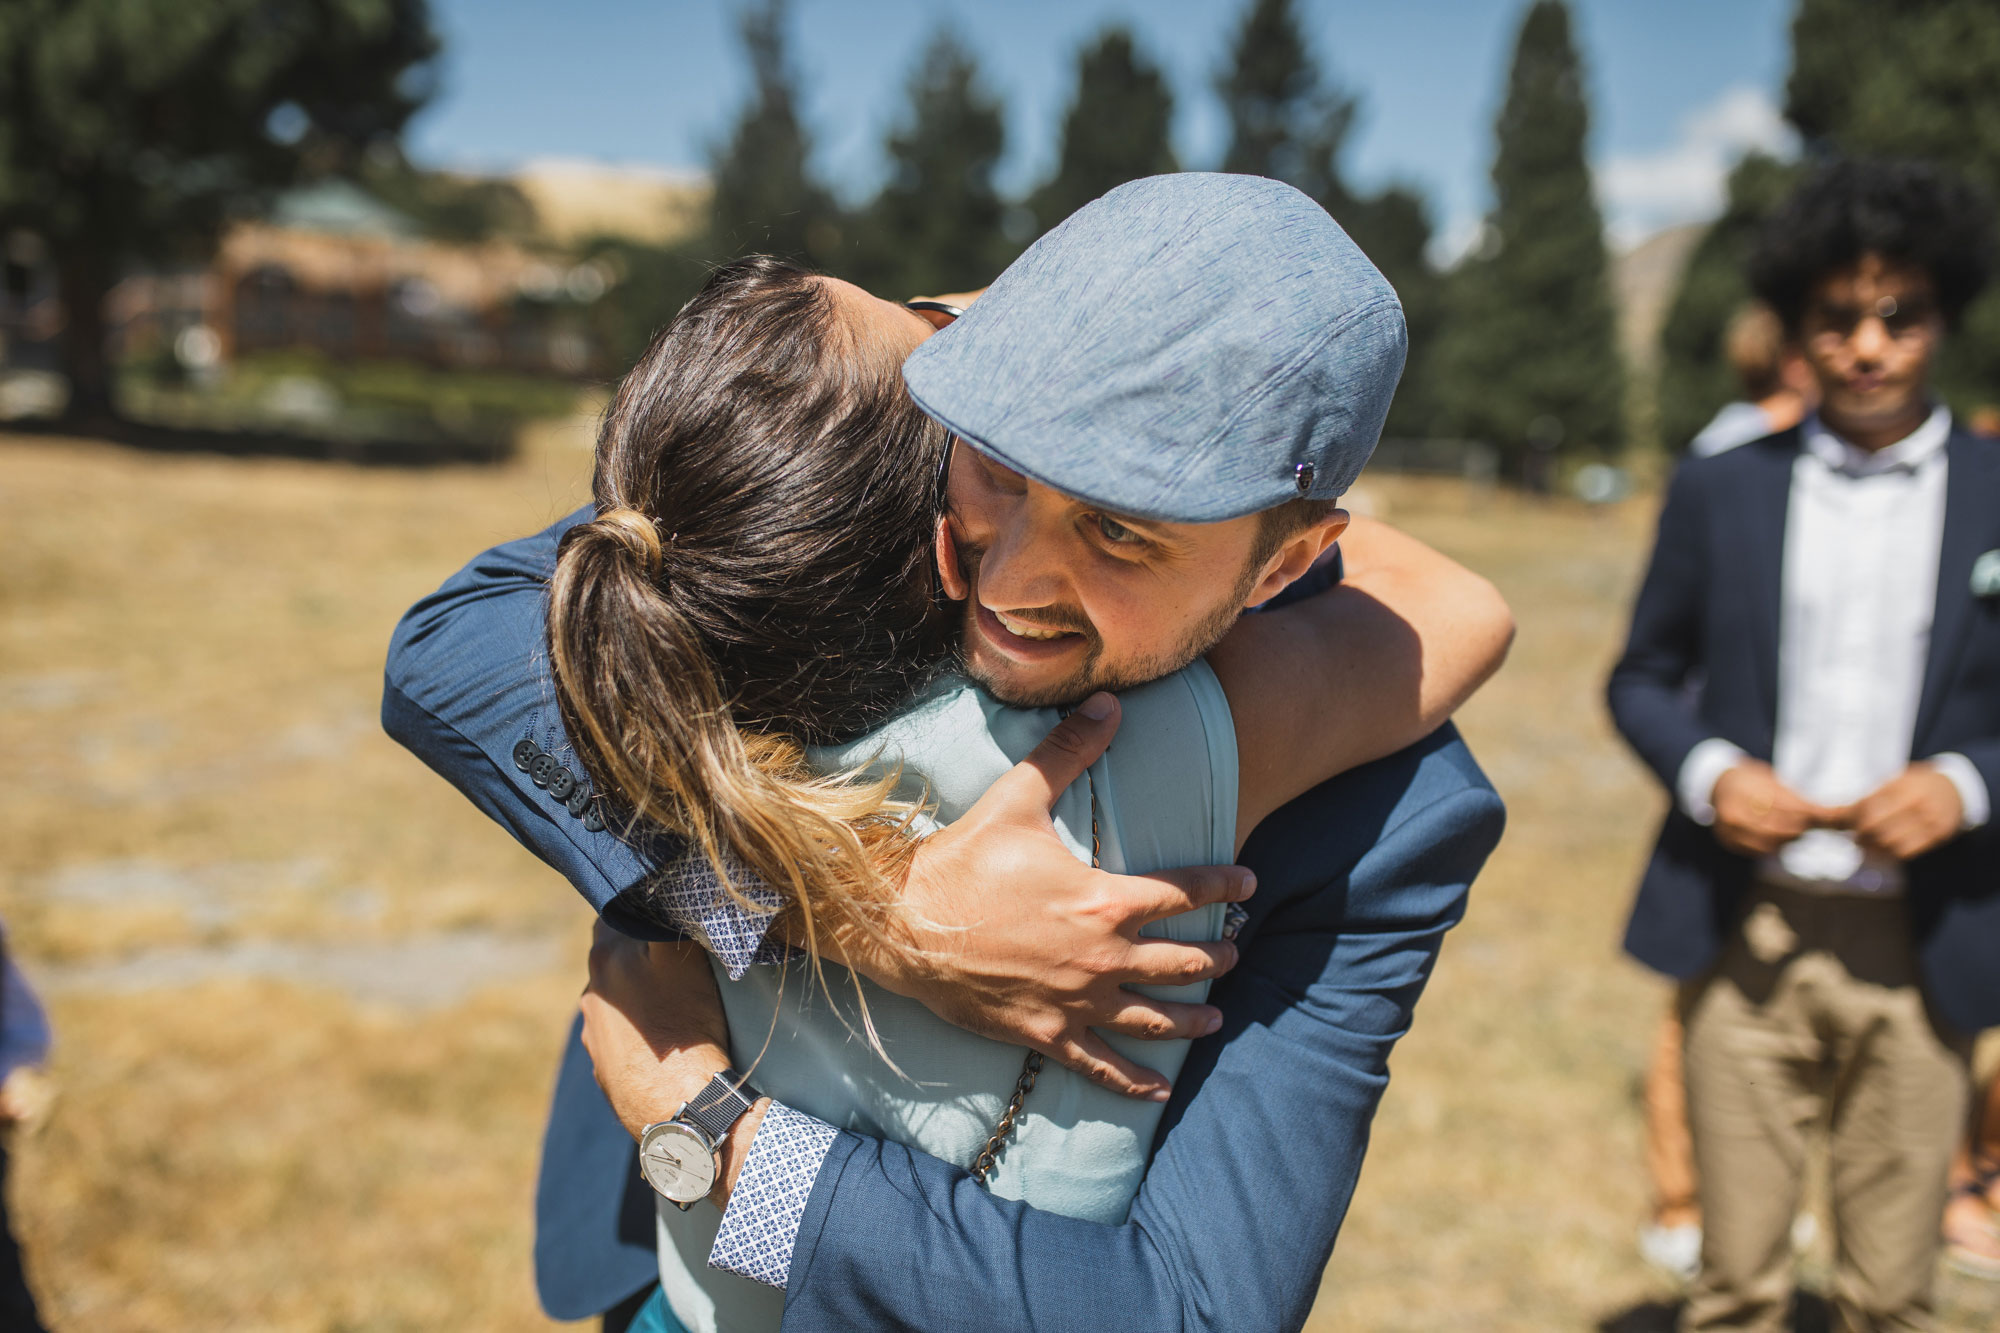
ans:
(1258, 1152)
(1702, 661)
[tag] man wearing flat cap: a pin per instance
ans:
(1161, 398)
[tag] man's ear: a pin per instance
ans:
(1289, 563)
(950, 576)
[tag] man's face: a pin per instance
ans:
(1868, 333)
(1063, 598)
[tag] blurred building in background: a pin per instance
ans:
(336, 271)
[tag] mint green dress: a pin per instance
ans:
(1166, 797)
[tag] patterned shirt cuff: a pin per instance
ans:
(1972, 793)
(761, 1223)
(689, 894)
(1700, 771)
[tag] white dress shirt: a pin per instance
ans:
(1859, 589)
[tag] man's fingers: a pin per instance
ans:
(1092, 1056)
(1164, 1020)
(1183, 890)
(1064, 753)
(1169, 963)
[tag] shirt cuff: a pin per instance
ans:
(1972, 793)
(761, 1223)
(1703, 767)
(689, 894)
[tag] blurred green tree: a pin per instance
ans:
(1289, 122)
(766, 198)
(939, 223)
(1116, 129)
(130, 129)
(1695, 375)
(1529, 358)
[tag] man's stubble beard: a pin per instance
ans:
(1090, 675)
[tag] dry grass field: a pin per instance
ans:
(308, 1001)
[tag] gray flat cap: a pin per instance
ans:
(1191, 348)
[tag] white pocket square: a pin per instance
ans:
(1986, 575)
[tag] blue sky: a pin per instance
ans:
(1678, 90)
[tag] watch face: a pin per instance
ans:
(677, 1162)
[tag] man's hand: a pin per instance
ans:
(654, 1027)
(1756, 814)
(1910, 814)
(1021, 942)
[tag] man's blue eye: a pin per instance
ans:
(1114, 531)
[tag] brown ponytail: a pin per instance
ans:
(757, 579)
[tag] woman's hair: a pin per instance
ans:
(1908, 212)
(758, 578)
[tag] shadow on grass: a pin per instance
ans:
(426, 448)
(1810, 1314)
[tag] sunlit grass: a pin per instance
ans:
(190, 666)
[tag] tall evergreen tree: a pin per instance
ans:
(1695, 375)
(1284, 121)
(1116, 130)
(1913, 78)
(1287, 120)
(766, 199)
(130, 128)
(937, 226)
(1529, 359)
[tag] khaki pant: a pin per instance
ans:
(1815, 1012)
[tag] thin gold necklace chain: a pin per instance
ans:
(1031, 1067)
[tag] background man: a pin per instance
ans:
(1826, 881)
(1358, 880)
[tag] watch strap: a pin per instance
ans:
(720, 1104)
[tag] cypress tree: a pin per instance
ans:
(936, 226)
(129, 129)
(1116, 129)
(1529, 359)
(1695, 375)
(1285, 122)
(766, 199)
(1290, 122)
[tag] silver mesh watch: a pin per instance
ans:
(677, 1157)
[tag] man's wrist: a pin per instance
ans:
(734, 1149)
(1694, 785)
(1975, 802)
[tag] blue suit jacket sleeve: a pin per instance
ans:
(1358, 882)
(1648, 689)
(467, 678)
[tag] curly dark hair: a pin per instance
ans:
(1910, 212)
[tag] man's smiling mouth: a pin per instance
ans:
(1023, 630)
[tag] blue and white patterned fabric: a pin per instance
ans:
(762, 1220)
(690, 894)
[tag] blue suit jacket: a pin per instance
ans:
(1257, 1155)
(1702, 661)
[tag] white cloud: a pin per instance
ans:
(1683, 182)
(1456, 239)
